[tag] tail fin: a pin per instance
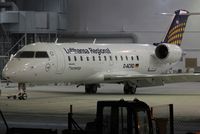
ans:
(177, 28)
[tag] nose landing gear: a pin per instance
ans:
(21, 95)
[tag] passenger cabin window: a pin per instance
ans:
(110, 58)
(75, 58)
(121, 58)
(69, 58)
(25, 54)
(138, 58)
(93, 58)
(87, 58)
(132, 58)
(105, 58)
(41, 55)
(99, 58)
(81, 58)
(116, 58)
(126, 57)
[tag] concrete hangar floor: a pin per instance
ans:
(47, 106)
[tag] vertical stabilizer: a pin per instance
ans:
(177, 28)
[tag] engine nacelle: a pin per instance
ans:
(168, 53)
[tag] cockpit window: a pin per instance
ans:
(30, 54)
(41, 55)
(25, 54)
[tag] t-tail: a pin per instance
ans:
(177, 28)
(169, 51)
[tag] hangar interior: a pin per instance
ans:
(108, 21)
(26, 21)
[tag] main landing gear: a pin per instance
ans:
(91, 88)
(21, 95)
(129, 88)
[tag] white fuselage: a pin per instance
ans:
(82, 63)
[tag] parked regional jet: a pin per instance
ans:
(89, 64)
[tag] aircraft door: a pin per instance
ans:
(111, 63)
(59, 60)
(111, 60)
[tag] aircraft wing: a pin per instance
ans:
(145, 80)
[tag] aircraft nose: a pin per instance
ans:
(4, 74)
(8, 73)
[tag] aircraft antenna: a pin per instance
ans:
(56, 40)
(94, 41)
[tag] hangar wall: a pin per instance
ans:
(26, 21)
(141, 18)
(108, 20)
